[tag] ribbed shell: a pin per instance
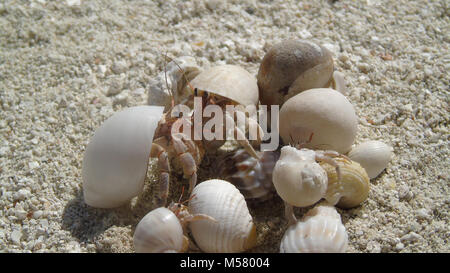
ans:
(116, 158)
(234, 230)
(373, 155)
(352, 190)
(321, 231)
(229, 81)
(159, 231)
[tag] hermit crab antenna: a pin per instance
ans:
(182, 191)
(182, 73)
(167, 83)
(190, 198)
(292, 139)
(300, 144)
(310, 137)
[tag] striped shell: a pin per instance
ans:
(374, 156)
(159, 231)
(234, 230)
(251, 176)
(116, 158)
(352, 190)
(320, 231)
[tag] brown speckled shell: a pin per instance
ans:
(293, 66)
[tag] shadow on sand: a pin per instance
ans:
(86, 223)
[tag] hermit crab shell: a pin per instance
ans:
(159, 231)
(325, 114)
(116, 158)
(291, 67)
(374, 156)
(320, 231)
(252, 176)
(298, 179)
(352, 189)
(170, 83)
(234, 230)
(229, 81)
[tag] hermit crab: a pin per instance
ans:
(115, 160)
(217, 216)
(234, 229)
(347, 182)
(163, 229)
(298, 179)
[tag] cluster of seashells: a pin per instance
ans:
(317, 164)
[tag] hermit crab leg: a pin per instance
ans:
(193, 149)
(252, 124)
(331, 153)
(200, 216)
(159, 152)
(289, 213)
(187, 160)
(327, 157)
(240, 136)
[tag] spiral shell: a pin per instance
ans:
(251, 176)
(352, 189)
(234, 230)
(373, 155)
(116, 158)
(320, 231)
(322, 111)
(229, 81)
(159, 231)
(298, 178)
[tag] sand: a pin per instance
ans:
(66, 66)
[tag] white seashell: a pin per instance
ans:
(177, 73)
(324, 112)
(320, 231)
(159, 231)
(373, 156)
(298, 178)
(116, 158)
(234, 230)
(229, 81)
(338, 82)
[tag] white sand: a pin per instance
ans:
(58, 62)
